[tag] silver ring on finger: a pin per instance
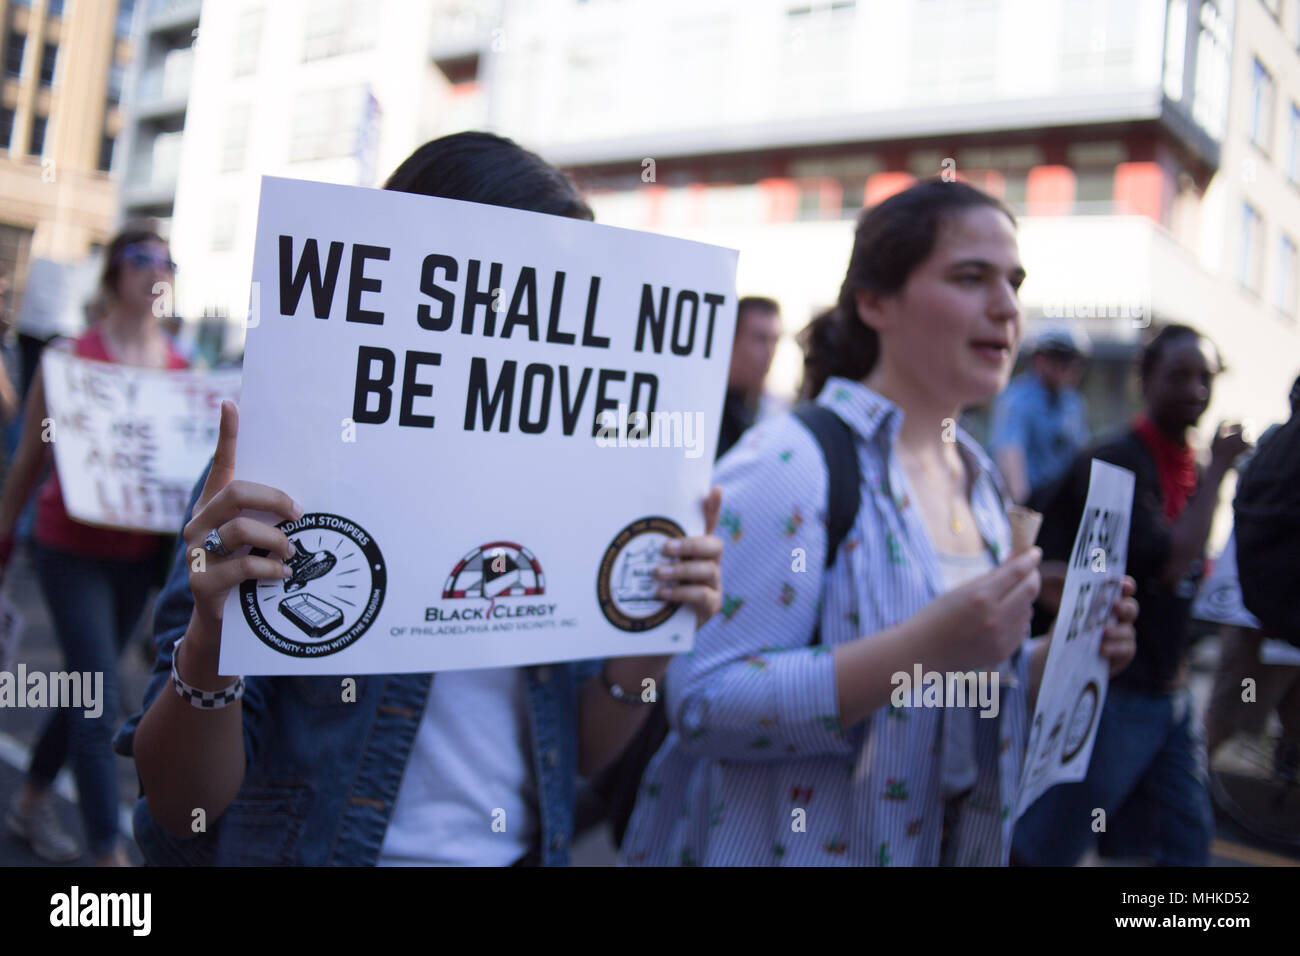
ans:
(214, 545)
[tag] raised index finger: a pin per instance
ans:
(223, 459)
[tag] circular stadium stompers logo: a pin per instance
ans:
(626, 585)
(1081, 721)
(332, 598)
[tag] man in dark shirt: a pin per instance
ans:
(758, 329)
(1146, 772)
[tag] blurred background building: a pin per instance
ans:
(158, 92)
(1151, 148)
(330, 90)
(60, 113)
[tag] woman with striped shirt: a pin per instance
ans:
(786, 747)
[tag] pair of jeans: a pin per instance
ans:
(1147, 773)
(95, 606)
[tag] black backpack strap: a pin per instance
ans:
(844, 484)
(843, 494)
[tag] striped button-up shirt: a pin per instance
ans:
(758, 769)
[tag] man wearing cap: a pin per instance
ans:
(1039, 421)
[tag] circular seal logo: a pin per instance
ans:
(1085, 712)
(626, 585)
(332, 598)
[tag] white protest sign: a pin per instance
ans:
(1278, 653)
(1219, 598)
(11, 632)
(130, 442)
(55, 297)
(1075, 678)
(428, 378)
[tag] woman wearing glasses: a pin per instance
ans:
(95, 580)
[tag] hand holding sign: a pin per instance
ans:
(1092, 638)
(1119, 639)
(699, 586)
(695, 579)
(220, 507)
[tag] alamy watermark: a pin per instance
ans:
(76, 689)
(1136, 311)
(651, 430)
(950, 689)
(75, 908)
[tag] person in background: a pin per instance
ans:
(1147, 766)
(1277, 686)
(96, 581)
(786, 744)
(1040, 421)
(415, 769)
(612, 796)
(10, 401)
(758, 330)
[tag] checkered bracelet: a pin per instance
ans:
(203, 699)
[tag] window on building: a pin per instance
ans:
(1286, 277)
(54, 8)
(339, 26)
(248, 42)
(106, 143)
(954, 54)
(6, 127)
(1261, 106)
(235, 141)
(1250, 263)
(324, 124)
(125, 12)
(14, 54)
(1175, 49)
(116, 80)
(1094, 190)
(49, 56)
(224, 216)
(36, 144)
(1293, 144)
(1213, 48)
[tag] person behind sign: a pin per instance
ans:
(758, 332)
(785, 746)
(1277, 686)
(1040, 422)
(415, 770)
(1147, 768)
(95, 580)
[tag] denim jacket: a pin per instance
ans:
(322, 775)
